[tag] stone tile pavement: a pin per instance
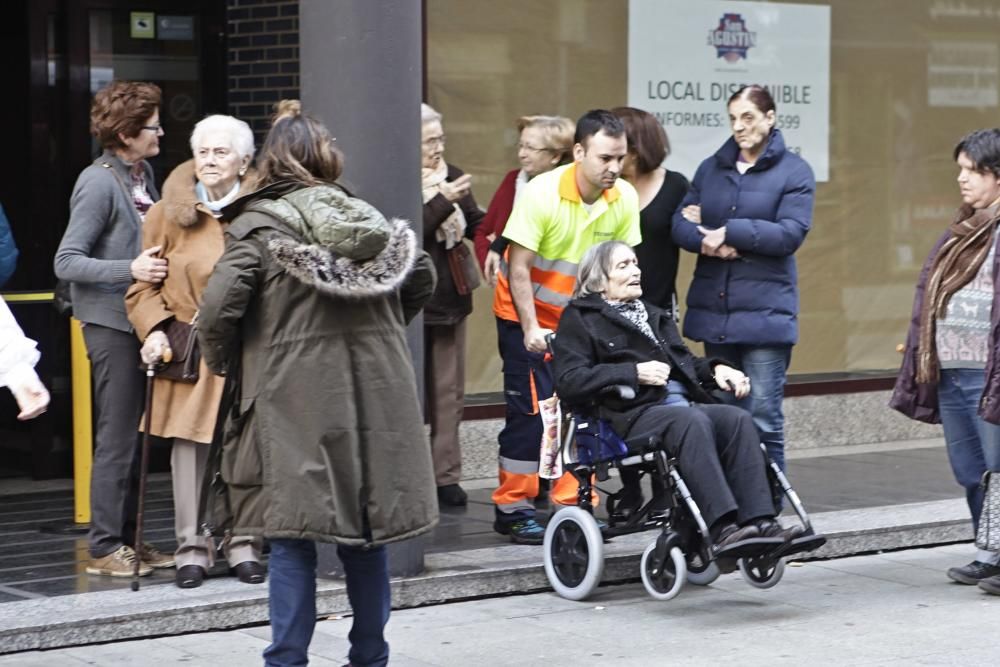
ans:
(894, 608)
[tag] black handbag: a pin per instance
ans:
(183, 340)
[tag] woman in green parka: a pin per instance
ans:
(309, 304)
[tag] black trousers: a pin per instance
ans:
(718, 455)
(119, 394)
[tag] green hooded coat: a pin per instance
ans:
(309, 303)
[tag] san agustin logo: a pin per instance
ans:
(731, 39)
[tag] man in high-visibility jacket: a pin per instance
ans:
(558, 216)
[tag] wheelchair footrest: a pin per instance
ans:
(754, 546)
(801, 544)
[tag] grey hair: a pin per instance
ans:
(240, 135)
(429, 114)
(592, 276)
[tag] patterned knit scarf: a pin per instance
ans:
(955, 264)
(635, 312)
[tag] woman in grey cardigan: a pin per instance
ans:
(100, 255)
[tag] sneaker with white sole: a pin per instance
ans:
(120, 563)
(155, 558)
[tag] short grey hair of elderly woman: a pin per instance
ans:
(240, 134)
(592, 276)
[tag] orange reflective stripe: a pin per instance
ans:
(515, 487)
(534, 392)
(564, 491)
(548, 286)
(555, 281)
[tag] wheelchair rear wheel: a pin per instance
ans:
(663, 581)
(701, 569)
(574, 553)
(762, 571)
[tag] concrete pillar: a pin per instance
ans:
(361, 74)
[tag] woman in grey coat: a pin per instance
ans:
(100, 255)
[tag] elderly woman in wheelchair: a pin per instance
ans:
(621, 360)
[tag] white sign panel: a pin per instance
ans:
(686, 58)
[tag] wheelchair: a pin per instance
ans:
(682, 551)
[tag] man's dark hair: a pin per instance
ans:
(594, 121)
(759, 96)
(983, 149)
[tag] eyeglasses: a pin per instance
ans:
(532, 149)
(152, 128)
(434, 141)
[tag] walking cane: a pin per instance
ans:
(144, 465)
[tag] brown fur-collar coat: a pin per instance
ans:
(190, 239)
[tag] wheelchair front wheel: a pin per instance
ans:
(761, 571)
(701, 569)
(574, 553)
(663, 582)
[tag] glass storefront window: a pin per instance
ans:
(908, 78)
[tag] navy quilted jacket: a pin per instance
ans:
(767, 212)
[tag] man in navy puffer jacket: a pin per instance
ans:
(748, 211)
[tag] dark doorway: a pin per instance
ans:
(57, 53)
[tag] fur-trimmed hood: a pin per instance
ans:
(342, 245)
(180, 199)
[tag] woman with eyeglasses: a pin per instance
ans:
(451, 214)
(100, 255)
(544, 143)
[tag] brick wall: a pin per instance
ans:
(263, 58)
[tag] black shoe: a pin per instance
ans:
(250, 572)
(189, 576)
(733, 534)
(525, 531)
(991, 585)
(771, 528)
(744, 542)
(453, 495)
(973, 573)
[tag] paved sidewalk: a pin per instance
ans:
(37, 561)
(890, 609)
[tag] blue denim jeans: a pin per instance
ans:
(973, 444)
(292, 601)
(766, 367)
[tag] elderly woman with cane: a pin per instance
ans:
(185, 226)
(305, 313)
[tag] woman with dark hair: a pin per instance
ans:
(660, 192)
(544, 143)
(609, 336)
(100, 255)
(951, 364)
(748, 211)
(305, 314)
